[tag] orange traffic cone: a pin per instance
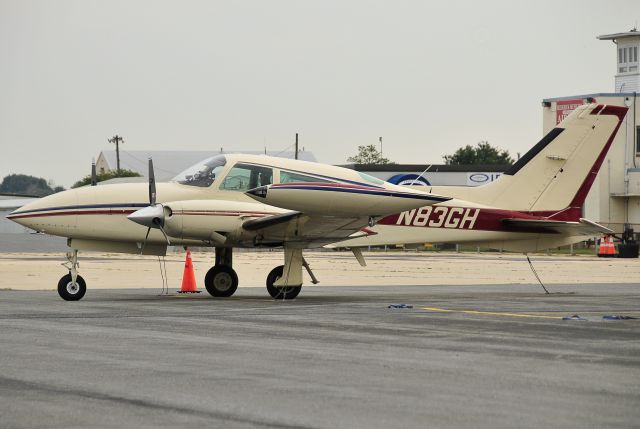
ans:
(612, 248)
(603, 250)
(607, 248)
(189, 277)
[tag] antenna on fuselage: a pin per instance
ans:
(425, 170)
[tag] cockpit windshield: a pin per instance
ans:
(203, 173)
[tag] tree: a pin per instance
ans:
(368, 155)
(482, 154)
(111, 174)
(28, 185)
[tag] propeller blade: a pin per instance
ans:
(144, 243)
(166, 237)
(152, 184)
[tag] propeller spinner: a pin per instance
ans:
(153, 215)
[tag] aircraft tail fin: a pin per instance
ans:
(554, 177)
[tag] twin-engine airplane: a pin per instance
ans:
(232, 201)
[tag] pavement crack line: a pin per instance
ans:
(12, 384)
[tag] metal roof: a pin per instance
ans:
(594, 95)
(631, 33)
(9, 202)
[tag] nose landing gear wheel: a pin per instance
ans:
(287, 292)
(70, 291)
(221, 281)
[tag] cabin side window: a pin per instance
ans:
(243, 177)
(289, 177)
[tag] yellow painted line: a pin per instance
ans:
(490, 313)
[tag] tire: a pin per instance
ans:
(221, 281)
(287, 292)
(70, 291)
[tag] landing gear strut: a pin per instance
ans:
(285, 281)
(72, 286)
(286, 292)
(221, 280)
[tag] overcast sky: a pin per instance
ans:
(199, 75)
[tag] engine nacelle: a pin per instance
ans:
(209, 220)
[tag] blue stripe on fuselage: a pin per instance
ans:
(386, 193)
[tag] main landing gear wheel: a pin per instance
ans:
(70, 291)
(287, 292)
(221, 281)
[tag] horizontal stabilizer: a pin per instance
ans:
(582, 227)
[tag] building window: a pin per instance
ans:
(628, 59)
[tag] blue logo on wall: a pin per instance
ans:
(408, 179)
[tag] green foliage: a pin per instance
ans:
(368, 155)
(28, 185)
(101, 177)
(482, 154)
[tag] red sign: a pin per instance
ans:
(564, 107)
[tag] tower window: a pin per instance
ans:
(628, 59)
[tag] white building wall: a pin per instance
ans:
(627, 83)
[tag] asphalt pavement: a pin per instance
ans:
(336, 357)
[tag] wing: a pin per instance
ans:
(583, 227)
(324, 213)
(270, 222)
(310, 230)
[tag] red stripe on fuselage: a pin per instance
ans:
(128, 212)
(73, 213)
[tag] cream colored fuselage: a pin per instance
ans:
(95, 217)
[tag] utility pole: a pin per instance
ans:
(94, 178)
(296, 145)
(117, 140)
(380, 139)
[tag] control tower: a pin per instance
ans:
(627, 70)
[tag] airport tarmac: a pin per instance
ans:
(494, 355)
(37, 271)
